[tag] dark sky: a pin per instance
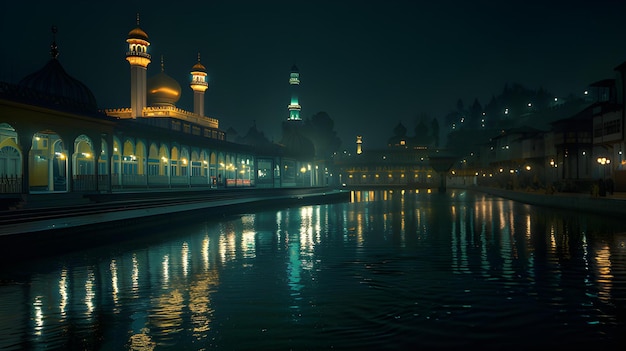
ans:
(368, 64)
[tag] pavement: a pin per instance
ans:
(44, 212)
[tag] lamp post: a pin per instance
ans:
(603, 161)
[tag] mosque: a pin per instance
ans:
(53, 137)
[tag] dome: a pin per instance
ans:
(163, 90)
(138, 33)
(65, 91)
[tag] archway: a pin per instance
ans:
(83, 164)
(47, 163)
(10, 160)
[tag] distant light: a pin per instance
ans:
(530, 104)
(528, 168)
(586, 92)
(556, 99)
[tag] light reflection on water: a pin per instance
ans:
(392, 269)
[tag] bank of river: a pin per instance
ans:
(69, 222)
(613, 205)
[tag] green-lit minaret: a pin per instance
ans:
(294, 106)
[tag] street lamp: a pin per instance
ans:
(603, 161)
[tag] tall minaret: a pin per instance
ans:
(199, 85)
(294, 107)
(359, 143)
(139, 59)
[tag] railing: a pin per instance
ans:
(90, 182)
(10, 184)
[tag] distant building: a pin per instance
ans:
(398, 165)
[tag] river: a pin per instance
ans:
(387, 270)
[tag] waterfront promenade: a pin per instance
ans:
(612, 205)
(44, 221)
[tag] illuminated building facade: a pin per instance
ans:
(53, 137)
(391, 167)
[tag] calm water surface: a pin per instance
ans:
(389, 270)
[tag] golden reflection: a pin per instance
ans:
(141, 341)
(605, 276)
(90, 294)
(114, 282)
(168, 313)
(38, 315)
(248, 244)
(306, 229)
(359, 228)
(185, 258)
(200, 303)
(135, 276)
(205, 252)
(528, 226)
(227, 246)
(166, 270)
(63, 293)
(552, 237)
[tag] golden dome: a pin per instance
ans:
(138, 33)
(163, 90)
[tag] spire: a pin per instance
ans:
(54, 50)
(137, 19)
(162, 64)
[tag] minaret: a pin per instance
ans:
(294, 107)
(139, 59)
(199, 85)
(359, 143)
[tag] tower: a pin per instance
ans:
(139, 59)
(359, 143)
(294, 107)
(199, 85)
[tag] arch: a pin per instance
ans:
(8, 135)
(140, 155)
(154, 161)
(116, 157)
(129, 160)
(174, 162)
(47, 163)
(10, 161)
(164, 156)
(83, 157)
(104, 156)
(184, 161)
(197, 164)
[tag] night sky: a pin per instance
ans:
(368, 64)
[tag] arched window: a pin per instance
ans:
(10, 162)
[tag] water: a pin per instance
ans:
(390, 270)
